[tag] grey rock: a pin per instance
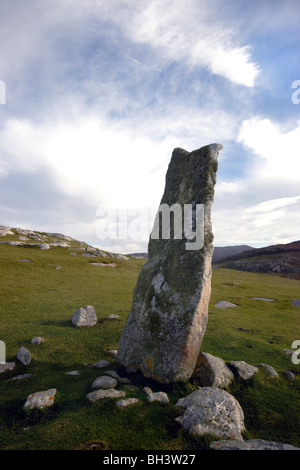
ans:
(113, 317)
(264, 299)
(105, 265)
(24, 356)
(113, 373)
(147, 390)
(242, 369)
(288, 374)
(22, 376)
(166, 325)
(288, 352)
(296, 302)
(211, 371)
(212, 411)
(160, 397)
(100, 364)
(224, 304)
(85, 316)
(72, 372)
(127, 402)
(40, 399)
(269, 370)
(44, 246)
(100, 394)
(251, 444)
(37, 340)
(104, 382)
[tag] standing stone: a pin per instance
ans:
(167, 321)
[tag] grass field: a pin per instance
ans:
(36, 299)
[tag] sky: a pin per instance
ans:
(96, 94)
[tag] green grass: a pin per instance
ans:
(36, 299)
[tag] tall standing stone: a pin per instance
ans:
(167, 321)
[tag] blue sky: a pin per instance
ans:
(99, 93)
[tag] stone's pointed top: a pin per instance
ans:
(214, 149)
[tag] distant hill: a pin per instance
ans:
(283, 259)
(221, 252)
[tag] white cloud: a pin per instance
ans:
(189, 31)
(278, 149)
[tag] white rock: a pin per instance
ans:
(127, 402)
(104, 382)
(100, 394)
(85, 316)
(40, 399)
(161, 397)
(212, 411)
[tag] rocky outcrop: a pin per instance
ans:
(167, 321)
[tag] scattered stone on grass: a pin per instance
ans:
(104, 265)
(85, 316)
(225, 304)
(100, 364)
(22, 376)
(147, 390)
(113, 317)
(113, 373)
(24, 356)
(40, 399)
(160, 397)
(288, 374)
(269, 370)
(251, 444)
(296, 302)
(25, 260)
(73, 372)
(99, 394)
(242, 369)
(288, 352)
(211, 371)
(212, 411)
(104, 382)
(126, 402)
(37, 340)
(264, 299)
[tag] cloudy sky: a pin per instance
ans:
(96, 94)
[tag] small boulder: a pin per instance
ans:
(269, 370)
(242, 369)
(6, 366)
(85, 316)
(37, 340)
(100, 394)
(161, 397)
(127, 402)
(225, 304)
(212, 411)
(211, 371)
(24, 356)
(104, 382)
(100, 364)
(40, 399)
